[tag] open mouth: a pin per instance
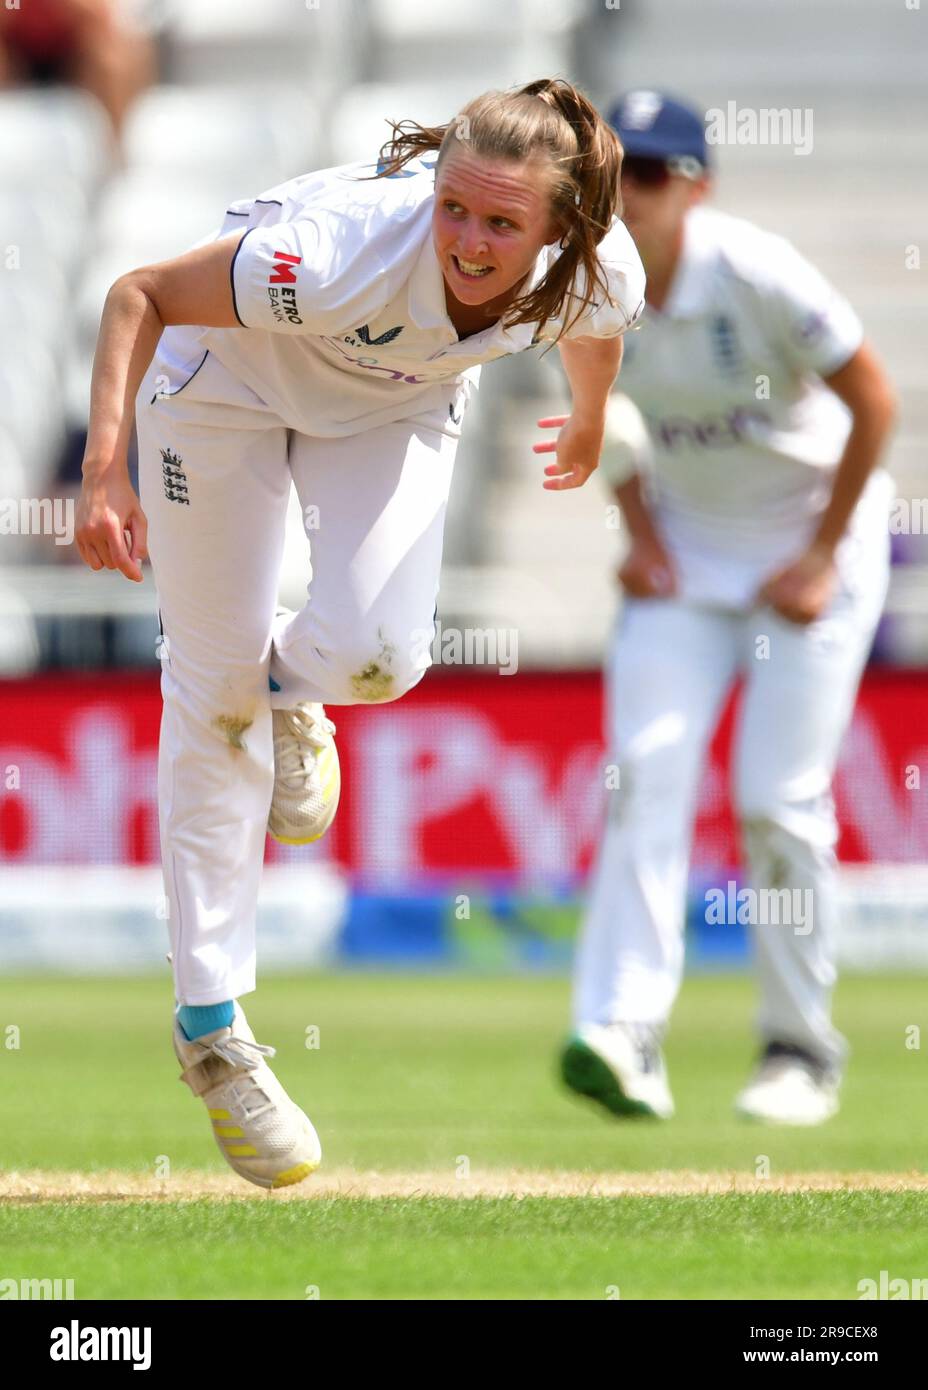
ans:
(470, 270)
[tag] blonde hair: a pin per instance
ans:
(550, 118)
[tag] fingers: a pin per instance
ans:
(549, 422)
(802, 617)
(89, 555)
(635, 583)
(647, 586)
(647, 572)
(105, 548)
(561, 474)
(95, 549)
(576, 478)
(562, 470)
(120, 554)
(661, 581)
(787, 606)
(138, 531)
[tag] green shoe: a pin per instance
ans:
(621, 1067)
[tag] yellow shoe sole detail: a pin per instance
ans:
(285, 840)
(282, 840)
(292, 1175)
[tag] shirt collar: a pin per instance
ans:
(691, 288)
(427, 287)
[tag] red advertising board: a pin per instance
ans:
(467, 773)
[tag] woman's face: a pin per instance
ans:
(491, 219)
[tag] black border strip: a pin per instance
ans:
(164, 395)
(233, 213)
(232, 274)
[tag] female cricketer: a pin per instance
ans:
(332, 333)
(743, 451)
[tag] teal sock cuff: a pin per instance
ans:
(197, 1019)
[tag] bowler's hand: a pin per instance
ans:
(108, 511)
(578, 447)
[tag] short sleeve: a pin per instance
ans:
(627, 448)
(316, 274)
(625, 277)
(815, 326)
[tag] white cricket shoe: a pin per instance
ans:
(790, 1087)
(260, 1131)
(620, 1065)
(307, 777)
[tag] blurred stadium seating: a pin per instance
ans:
(252, 94)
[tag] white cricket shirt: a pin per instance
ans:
(742, 437)
(341, 299)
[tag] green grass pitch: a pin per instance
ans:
(432, 1075)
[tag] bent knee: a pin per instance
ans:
(376, 673)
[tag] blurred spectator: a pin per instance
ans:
(90, 43)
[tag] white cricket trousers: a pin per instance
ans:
(671, 669)
(214, 483)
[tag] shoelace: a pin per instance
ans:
(646, 1040)
(240, 1052)
(296, 764)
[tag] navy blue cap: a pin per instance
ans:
(654, 126)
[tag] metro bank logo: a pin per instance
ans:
(283, 267)
(283, 301)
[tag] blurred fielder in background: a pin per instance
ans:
(743, 452)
